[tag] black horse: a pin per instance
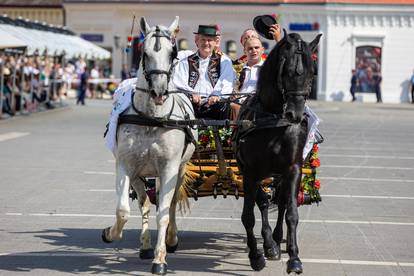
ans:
(274, 147)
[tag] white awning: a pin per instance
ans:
(9, 41)
(55, 43)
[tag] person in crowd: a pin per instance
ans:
(6, 93)
(93, 84)
(83, 86)
(377, 79)
(354, 81)
(412, 87)
(207, 74)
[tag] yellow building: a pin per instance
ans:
(49, 11)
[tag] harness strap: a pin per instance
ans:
(143, 120)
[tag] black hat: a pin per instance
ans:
(208, 30)
(262, 25)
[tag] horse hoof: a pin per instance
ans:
(294, 266)
(104, 233)
(272, 253)
(258, 263)
(171, 249)
(146, 254)
(159, 269)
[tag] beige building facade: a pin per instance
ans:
(356, 34)
(49, 11)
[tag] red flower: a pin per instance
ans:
(315, 148)
(204, 139)
(315, 163)
(301, 198)
(317, 184)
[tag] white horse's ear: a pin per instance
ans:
(174, 25)
(144, 25)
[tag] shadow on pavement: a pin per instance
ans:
(83, 251)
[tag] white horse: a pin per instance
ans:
(144, 151)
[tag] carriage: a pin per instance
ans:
(157, 137)
(213, 171)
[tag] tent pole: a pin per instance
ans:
(13, 100)
(21, 84)
(1, 88)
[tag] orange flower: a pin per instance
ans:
(317, 184)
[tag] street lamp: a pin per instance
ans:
(118, 44)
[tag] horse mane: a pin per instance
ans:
(268, 85)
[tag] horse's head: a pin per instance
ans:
(286, 77)
(157, 59)
(295, 74)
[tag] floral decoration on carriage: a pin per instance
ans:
(310, 184)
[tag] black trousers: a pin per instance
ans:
(412, 93)
(217, 111)
(352, 90)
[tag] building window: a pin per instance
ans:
(368, 67)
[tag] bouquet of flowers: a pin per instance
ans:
(206, 138)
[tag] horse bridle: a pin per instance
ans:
(157, 47)
(298, 69)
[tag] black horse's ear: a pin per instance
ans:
(315, 43)
(288, 38)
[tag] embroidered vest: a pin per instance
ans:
(213, 69)
(242, 77)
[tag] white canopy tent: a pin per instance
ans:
(9, 41)
(54, 43)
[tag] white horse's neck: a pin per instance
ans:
(143, 101)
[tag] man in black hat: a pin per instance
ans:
(208, 74)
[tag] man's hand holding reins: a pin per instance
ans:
(213, 99)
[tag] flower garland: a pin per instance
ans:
(206, 138)
(310, 185)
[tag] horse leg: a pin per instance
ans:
(122, 209)
(292, 219)
(171, 241)
(269, 246)
(257, 261)
(278, 232)
(168, 180)
(146, 251)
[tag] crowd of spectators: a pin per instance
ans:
(33, 83)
